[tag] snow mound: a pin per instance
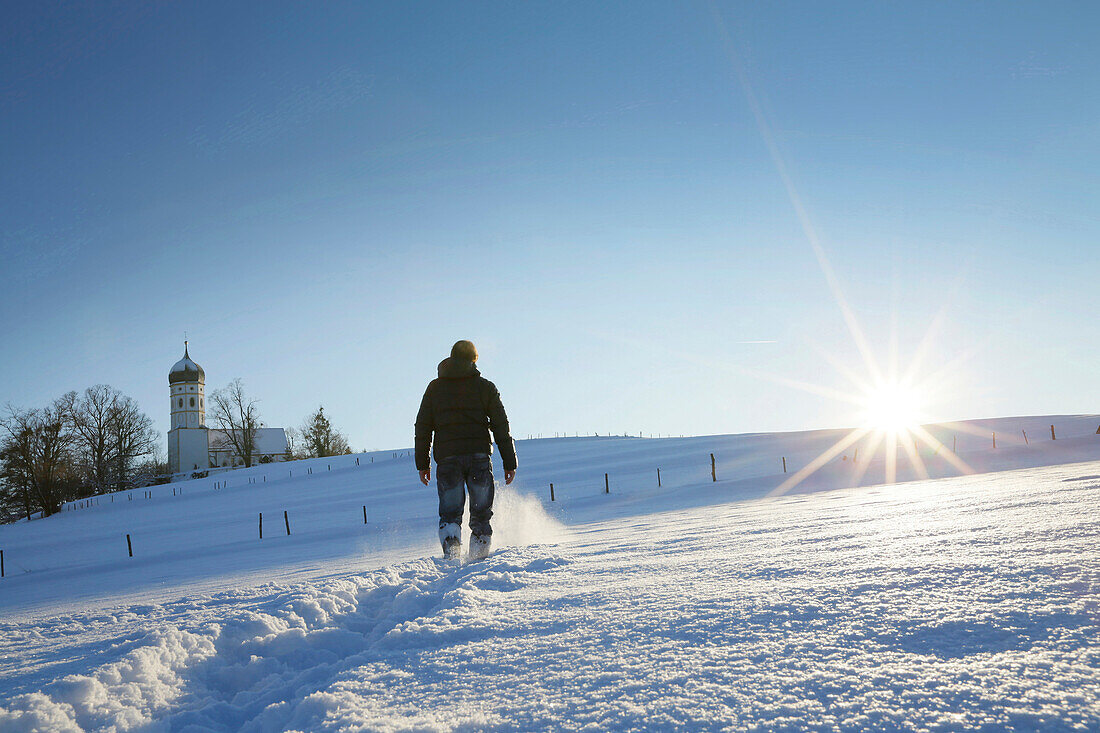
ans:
(249, 673)
(118, 696)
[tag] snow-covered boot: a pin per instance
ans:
(480, 545)
(450, 535)
(452, 548)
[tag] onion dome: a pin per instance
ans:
(186, 370)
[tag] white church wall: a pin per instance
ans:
(192, 449)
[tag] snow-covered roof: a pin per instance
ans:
(269, 441)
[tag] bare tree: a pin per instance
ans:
(238, 418)
(152, 470)
(92, 416)
(132, 438)
(112, 434)
(293, 444)
(36, 454)
(320, 439)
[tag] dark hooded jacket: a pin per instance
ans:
(461, 407)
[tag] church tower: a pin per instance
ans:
(188, 441)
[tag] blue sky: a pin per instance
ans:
(326, 196)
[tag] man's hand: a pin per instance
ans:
(509, 476)
(426, 476)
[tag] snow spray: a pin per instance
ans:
(520, 520)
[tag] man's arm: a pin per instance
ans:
(498, 423)
(425, 426)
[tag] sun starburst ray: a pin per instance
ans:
(913, 453)
(941, 449)
(813, 466)
(967, 428)
(863, 466)
(891, 457)
(796, 200)
(861, 384)
(941, 376)
(801, 385)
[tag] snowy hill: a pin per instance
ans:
(962, 602)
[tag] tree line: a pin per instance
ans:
(83, 444)
(77, 446)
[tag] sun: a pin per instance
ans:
(892, 401)
(892, 408)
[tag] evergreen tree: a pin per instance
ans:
(320, 439)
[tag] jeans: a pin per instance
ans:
(453, 476)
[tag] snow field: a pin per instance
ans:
(207, 539)
(968, 602)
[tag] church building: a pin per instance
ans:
(194, 447)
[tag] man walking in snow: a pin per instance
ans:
(460, 407)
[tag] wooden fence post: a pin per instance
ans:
(1052, 436)
(129, 547)
(364, 514)
(994, 441)
(784, 464)
(551, 492)
(286, 519)
(713, 472)
(1, 563)
(606, 485)
(954, 443)
(261, 525)
(1025, 437)
(658, 477)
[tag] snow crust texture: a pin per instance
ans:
(968, 603)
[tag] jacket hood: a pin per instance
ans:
(451, 368)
